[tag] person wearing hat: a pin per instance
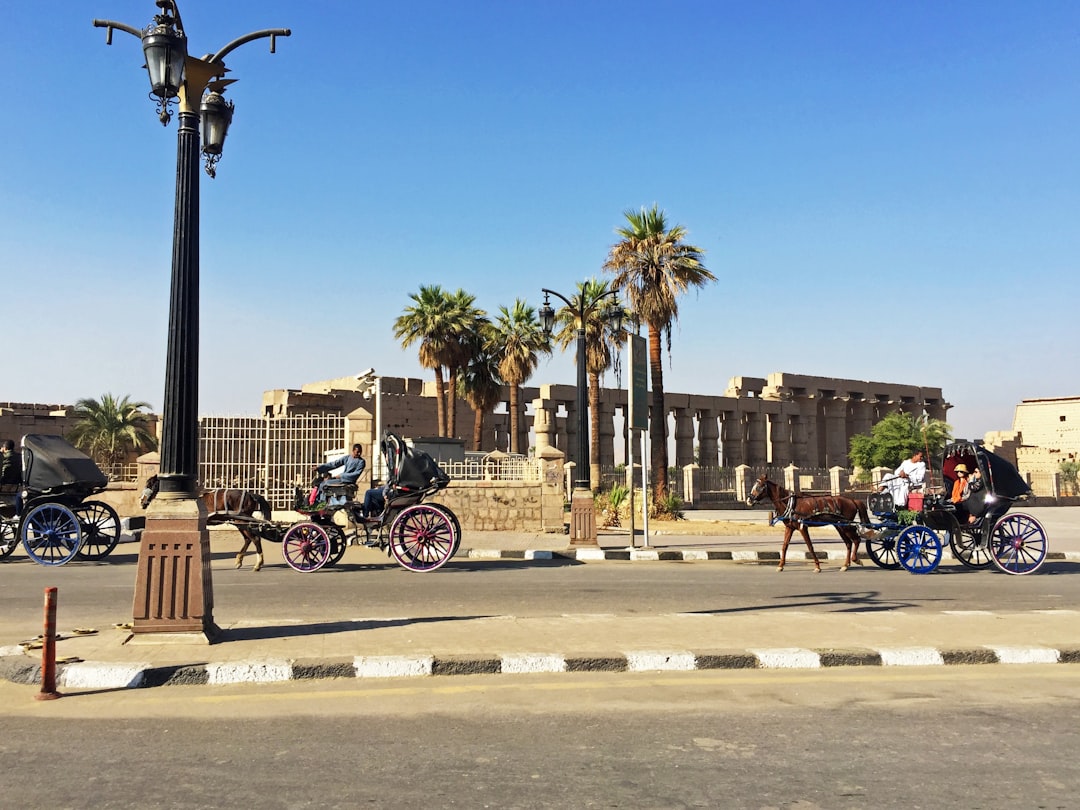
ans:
(965, 483)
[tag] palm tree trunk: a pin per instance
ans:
(594, 427)
(451, 404)
(478, 430)
(514, 396)
(440, 401)
(657, 416)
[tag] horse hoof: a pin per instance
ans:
(780, 568)
(239, 561)
(843, 568)
(817, 570)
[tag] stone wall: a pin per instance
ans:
(508, 506)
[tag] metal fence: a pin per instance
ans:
(270, 455)
(494, 467)
(121, 473)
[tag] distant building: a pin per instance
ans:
(1045, 432)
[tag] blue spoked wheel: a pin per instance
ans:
(9, 537)
(881, 546)
(306, 547)
(422, 538)
(51, 534)
(918, 549)
(1018, 544)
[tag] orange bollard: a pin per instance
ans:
(48, 650)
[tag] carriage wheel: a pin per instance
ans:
(337, 541)
(9, 537)
(454, 521)
(882, 549)
(100, 527)
(968, 548)
(422, 538)
(1018, 544)
(306, 547)
(51, 534)
(918, 549)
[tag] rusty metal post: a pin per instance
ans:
(48, 650)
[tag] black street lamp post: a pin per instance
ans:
(582, 513)
(174, 591)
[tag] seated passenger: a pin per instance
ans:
(374, 501)
(11, 472)
(969, 507)
(353, 465)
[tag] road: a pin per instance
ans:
(973, 737)
(366, 584)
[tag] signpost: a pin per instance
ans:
(638, 419)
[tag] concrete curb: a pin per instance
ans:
(593, 554)
(100, 675)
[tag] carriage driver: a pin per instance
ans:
(353, 468)
(11, 471)
(908, 476)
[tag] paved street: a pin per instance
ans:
(368, 617)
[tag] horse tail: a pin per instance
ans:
(263, 505)
(861, 506)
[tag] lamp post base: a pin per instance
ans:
(582, 518)
(173, 588)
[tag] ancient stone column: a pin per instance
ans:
(684, 436)
(708, 433)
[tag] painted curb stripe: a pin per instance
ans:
(99, 675)
(660, 661)
(788, 658)
(392, 666)
(249, 672)
(911, 657)
(1026, 655)
(533, 662)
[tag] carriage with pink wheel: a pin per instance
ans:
(419, 536)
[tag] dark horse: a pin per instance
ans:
(795, 511)
(236, 506)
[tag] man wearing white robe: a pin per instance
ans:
(908, 476)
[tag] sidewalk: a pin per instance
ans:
(252, 651)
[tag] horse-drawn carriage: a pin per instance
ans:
(977, 529)
(420, 536)
(56, 523)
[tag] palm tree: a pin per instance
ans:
(654, 266)
(108, 430)
(467, 322)
(519, 341)
(480, 384)
(431, 320)
(600, 341)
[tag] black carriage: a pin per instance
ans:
(977, 528)
(56, 523)
(420, 536)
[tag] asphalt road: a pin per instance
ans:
(366, 584)
(972, 737)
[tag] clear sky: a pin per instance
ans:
(886, 191)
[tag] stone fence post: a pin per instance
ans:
(744, 482)
(691, 483)
(839, 480)
(791, 478)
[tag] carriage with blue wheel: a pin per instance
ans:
(56, 523)
(419, 536)
(978, 528)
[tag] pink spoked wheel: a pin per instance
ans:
(1018, 544)
(422, 538)
(306, 547)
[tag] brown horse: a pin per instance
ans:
(236, 506)
(796, 511)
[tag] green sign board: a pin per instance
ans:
(639, 384)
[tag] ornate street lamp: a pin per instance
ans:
(174, 591)
(582, 513)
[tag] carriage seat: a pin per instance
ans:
(336, 489)
(880, 503)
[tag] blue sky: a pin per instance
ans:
(886, 191)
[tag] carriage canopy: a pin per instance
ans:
(411, 469)
(1000, 476)
(50, 462)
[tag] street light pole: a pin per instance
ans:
(174, 589)
(582, 511)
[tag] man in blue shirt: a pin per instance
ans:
(353, 464)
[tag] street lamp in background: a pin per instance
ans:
(174, 591)
(582, 509)
(370, 385)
